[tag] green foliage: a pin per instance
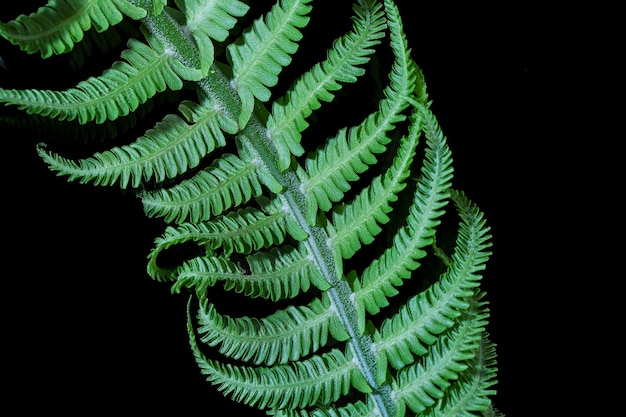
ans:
(56, 27)
(259, 205)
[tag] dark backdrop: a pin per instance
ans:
(87, 329)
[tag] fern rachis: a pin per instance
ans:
(276, 216)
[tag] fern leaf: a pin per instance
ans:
(420, 385)
(169, 149)
(332, 168)
(358, 221)
(470, 394)
(117, 92)
(201, 273)
(289, 113)
(82, 134)
(227, 183)
(278, 274)
(433, 311)
(290, 276)
(56, 27)
(264, 49)
(284, 336)
(210, 20)
(317, 380)
(396, 263)
(242, 231)
(327, 175)
(96, 43)
(39, 126)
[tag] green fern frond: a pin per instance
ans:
(434, 310)
(420, 385)
(56, 27)
(291, 275)
(284, 336)
(227, 183)
(241, 231)
(83, 134)
(158, 6)
(264, 50)
(117, 92)
(469, 396)
(289, 113)
(328, 173)
(209, 21)
(318, 380)
(165, 151)
(357, 222)
(398, 261)
(201, 273)
(282, 272)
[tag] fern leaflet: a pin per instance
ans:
(59, 25)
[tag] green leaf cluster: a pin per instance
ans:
(372, 304)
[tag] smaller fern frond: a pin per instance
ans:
(435, 309)
(227, 183)
(357, 222)
(280, 274)
(201, 273)
(420, 385)
(431, 196)
(342, 65)
(165, 151)
(283, 272)
(264, 50)
(327, 174)
(284, 336)
(117, 92)
(471, 393)
(241, 231)
(340, 161)
(316, 380)
(56, 27)
(209, 21)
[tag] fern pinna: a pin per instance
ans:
(369, 308)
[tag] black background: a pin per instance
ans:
(85, 329)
